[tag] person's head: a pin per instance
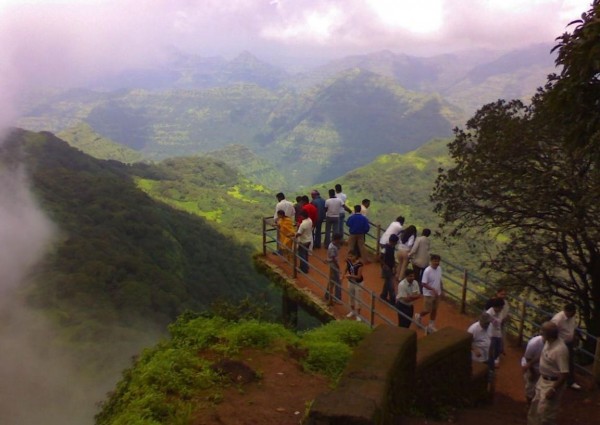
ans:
(298, 199)
(304, 199)
(497, 304)
(426, 232)
(338, 188)
(400, 219)
(409, 275)
(410, 231)
(393, 240)
(332, 193)
(570, 310)
(280, 213)
(366, 203)
(484, 320)
(357, 209)
(501, 292)
(315, 194)
(303, 214)
(280, 196)
(337, 239)
(353, 257)
(434, 260)
(549, 331)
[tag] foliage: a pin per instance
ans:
(168, 382)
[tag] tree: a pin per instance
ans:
(530, 174)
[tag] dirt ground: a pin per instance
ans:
(282, 393)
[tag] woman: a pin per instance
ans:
(406, 242)
(286, 232)
(355, 278)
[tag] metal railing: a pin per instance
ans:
(466, 289)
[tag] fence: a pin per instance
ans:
(466, 289)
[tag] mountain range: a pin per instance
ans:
(309, 127)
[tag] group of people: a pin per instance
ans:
(548, 361)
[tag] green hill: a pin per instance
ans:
(122, 260)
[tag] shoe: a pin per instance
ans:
(339, 302)
(575, 386)
(350, 315)
(497, 363)
(431, 329)
(418, 319)
(358, 319)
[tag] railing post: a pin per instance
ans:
(372, 310)
(463, 299)
(264, 236)
(522, 317)
(295, 263)
(596, 367)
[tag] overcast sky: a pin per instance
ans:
(63, 42)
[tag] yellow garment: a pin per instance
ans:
(286, 235)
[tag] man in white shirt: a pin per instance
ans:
(408, 292)
(394, 228)
(285, 205)
(304, 239)
(554, 370)
(333, 209)
(496, 313)
(419, 254)
(567, 331)
(480, 346)
(432, 292)
(345, 209)
(530, 363)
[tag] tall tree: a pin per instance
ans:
(530, 173)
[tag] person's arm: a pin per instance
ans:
(414, 248)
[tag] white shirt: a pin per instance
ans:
(481, 340)
(364, 210)
(287, 207)
(533, 351)
(496, 324)
(393, 229)
(342, 196)
(406, 290)
(420, 252)
(566, 326)
(432, 277)
(305, 231)
(334, 207)
(554, 359)
(406, 246)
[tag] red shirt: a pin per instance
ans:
(312, 211)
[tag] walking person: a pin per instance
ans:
(554, 370)
(408, 293)
(432, 292)
(496, 313)
(567, 331)
(419, 254)
(354, 275)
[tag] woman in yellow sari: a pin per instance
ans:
(286, 232)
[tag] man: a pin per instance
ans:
(333, 207)
(388, 270)
(394, 228)
(333, 252)
(408, 293)
(285, 205)
(567, 331)
(304, 239)
(342, 196)
(312, 211)
(364, 207)
(495, 312)
(530, 363)
(319, 203)
(554, 370)
(419, 254)
(432, 292)
(297, 208)
(500, 294)
(480, 346)
(358, 227)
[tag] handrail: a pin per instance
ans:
(470, 298)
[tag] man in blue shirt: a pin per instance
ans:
(319, 203)
(358, 227)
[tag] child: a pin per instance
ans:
(355, 277)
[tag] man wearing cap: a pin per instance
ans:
(319, 203)
(480, 346)
(554, 370)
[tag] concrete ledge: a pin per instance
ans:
(373, 389)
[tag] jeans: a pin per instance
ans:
(387, 293)
(303, 254)
(317, 234)
(331, 225)
(334, 283)
(408, 310)
(341, 223)
(496, 347)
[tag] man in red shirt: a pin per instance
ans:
(313, 212)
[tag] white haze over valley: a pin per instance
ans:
(67, 43)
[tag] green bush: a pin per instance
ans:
(345, 331)
(253, 333)
(328, 358)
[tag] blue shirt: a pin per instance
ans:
(358, 224)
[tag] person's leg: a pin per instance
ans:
(329, 223)
(362, 248)
(385, 292)
(303, 253)
(317, 234)
(571, 377)
(352, 242)
(405, 314)
(341, 223)
(338, 285)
